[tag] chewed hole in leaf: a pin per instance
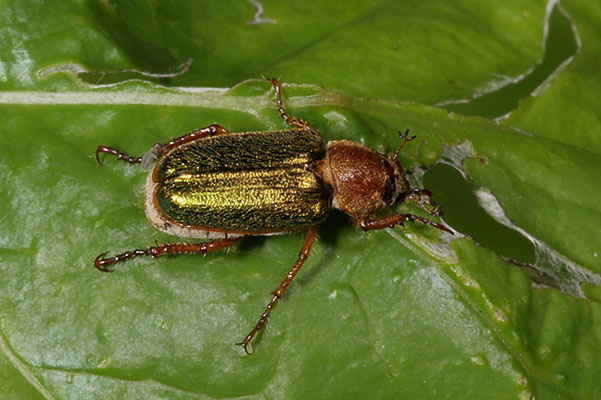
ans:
(112, 77)
(560, 44)
(476, 212)
(464, 214)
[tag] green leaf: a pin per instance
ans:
(509, 311)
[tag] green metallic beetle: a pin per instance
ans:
(220, 186)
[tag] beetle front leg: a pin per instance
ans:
(279, 292)
(396, 219)
(161, 249)
(162, 148)
(416, 197)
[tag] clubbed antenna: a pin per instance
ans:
(404, 139)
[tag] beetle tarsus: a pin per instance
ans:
(164, 248)
(248, 349)
(279, 291)
(119, 155)
(100, 261)
(295, 122)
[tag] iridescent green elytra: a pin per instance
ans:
(251, 182)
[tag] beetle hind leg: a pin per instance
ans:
(159, 149)
(279, 292)
(161, 249)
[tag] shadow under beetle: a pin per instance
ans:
(220, 186)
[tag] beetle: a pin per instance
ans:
(220, 186)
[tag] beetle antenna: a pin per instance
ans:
(404, 139)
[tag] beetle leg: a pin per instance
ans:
(279, 292)
(422, 192)
(162, 148)
(396, 219)
(414, 197)
(296, 123)
(120, 156)
(211, 130)
(161, 249)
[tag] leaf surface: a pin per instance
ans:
(403, 312)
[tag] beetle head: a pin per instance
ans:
(397, 186)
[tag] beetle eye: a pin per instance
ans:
(390, 185)
(400, 198)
